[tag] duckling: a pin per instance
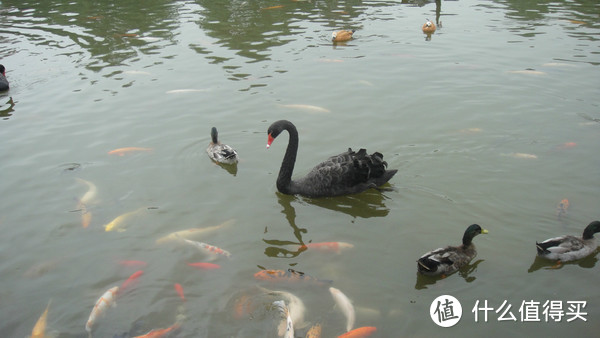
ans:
(341, 36)
(569, 248)
(445, 261)
(220, 153)
(428, 27)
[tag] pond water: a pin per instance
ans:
(494, 119)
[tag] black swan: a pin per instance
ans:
(218, 152)
(347, 173)
(3, 80)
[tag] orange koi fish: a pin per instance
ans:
(132, 263)
(211, 250)
(272, 7)
(39, 330)
(364, 331)
(127, 150)
(103, 303)
(205, 266)
(562, 208)
(242, 307)
(290, 275)
(566, 145)
(327, 246)
(179, 290)
(159, 333)
(132, 279)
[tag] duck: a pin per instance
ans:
(341, 36)
(3, 81)
(428, 27)
(347, 173)
(445, 261)
(220, 153)
(569, 248)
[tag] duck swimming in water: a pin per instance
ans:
(347, 173)
(444, 261)
(569, 248)
(219, 152)
(428, 27)
(341, 36)
(3, 81)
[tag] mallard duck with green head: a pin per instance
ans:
(569, 248)
(445, 261)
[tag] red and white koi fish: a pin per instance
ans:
(286, 326)
(132, 279)
(205, 266)
(103, 303)
(361, 332)
(159, 333)
(208, 249)
(193, 233)
(290, 276)
(39, 330)
(128, 150)
(179, 290)
(345, 306)
(335, 247)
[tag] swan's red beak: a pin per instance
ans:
(269, 141)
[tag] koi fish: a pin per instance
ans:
(211, 250)
(526, 72)
(128, 150)
(118, 222)
(242, 307)
(103, 303)
(328, 246)
(561, 209)
(522, 155)
(179, 290)
(132, 263)
(193, 233)
(272, 7)
(345, 306)
(85, 200)
(286, 326)
(290, 275)
(159, 333)
(132, 279)
(306, 107)
(294, 304)
(315, 331)
(39, 329)
(364, 331)
(41, 268)
(126, 35)
(205, 266)
(566, 145)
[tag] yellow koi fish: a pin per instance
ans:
(345, 306)
(193, 233)
(118, 222)
(103, 303)
(88, 198)
(39, 330)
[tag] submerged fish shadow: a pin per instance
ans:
(465, 272)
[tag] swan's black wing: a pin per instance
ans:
(347, 173)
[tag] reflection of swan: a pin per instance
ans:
(365, 205)
(347, 173)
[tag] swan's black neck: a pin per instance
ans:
(284, 180)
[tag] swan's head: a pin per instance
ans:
(274, 130)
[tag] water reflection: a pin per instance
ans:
(465, 272)
(5, 113)
(541, 263)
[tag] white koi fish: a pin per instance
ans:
(345, 305)
(103, 303)
(192, 233)
(188, 90)
(307, 107)
(117, 223)
(286, 326)
(211, 250)
(522, 155)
